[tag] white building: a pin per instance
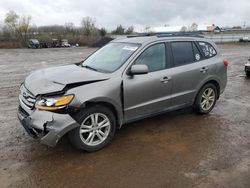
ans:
(202, 27)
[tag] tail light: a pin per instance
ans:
(226, 63)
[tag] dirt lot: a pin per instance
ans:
(177, 149)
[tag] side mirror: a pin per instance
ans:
(138, 69)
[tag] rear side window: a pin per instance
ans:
(182, 53)
(197, 54)
(207, 49)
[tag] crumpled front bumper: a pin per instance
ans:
(46, 126)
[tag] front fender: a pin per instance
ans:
(108, 91)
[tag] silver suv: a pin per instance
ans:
(126, 80)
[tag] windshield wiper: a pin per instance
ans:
(91, 68)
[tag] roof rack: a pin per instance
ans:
(169, 34)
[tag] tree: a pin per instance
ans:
(183, 29)
(147, 29)
(88, 26)
(120, 30)
(130, 30)
(18, 26)
(194, 27)
(103, 32)
(69, 27)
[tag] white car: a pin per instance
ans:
(65, 43)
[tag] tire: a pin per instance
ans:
(91, 132)
(204, 105)
(248, 74)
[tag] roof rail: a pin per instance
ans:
(170, 34)
(180, 34)
(140, 35)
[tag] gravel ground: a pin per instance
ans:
(178, 149)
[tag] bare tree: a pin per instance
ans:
(147, 29)
(18, 26)
(88, 26)
(69, 27)
(129, 30)
(184, 29)
(194, 27)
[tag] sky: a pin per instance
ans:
(140, 13)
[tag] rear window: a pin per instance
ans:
(207, 49)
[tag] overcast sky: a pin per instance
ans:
(110, 13)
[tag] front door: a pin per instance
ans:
(149, 93)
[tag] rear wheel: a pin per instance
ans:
(206, 99)
(97, 128)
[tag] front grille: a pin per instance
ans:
(27, 97)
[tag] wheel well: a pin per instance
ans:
(109, 106)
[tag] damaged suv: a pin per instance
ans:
(126, 80)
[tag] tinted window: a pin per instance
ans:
(197, 54)
(182, 53)
(207, 49)
(154, 57)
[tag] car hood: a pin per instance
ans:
(55, 79)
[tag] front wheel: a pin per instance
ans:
(97, 128)
(206, 99)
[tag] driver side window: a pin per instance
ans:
(154, 57)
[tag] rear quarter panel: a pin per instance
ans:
(217, 72)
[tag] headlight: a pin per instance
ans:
(54, 103)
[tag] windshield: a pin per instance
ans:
(110, 57)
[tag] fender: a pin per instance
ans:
(108, 92)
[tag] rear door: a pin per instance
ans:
(148, 93)
(190, 69)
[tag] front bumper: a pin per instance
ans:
(46, 126)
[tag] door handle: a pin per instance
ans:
(204, 69)
(165, 79)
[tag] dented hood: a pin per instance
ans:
(55, 79)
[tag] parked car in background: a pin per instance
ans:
(247, 68)
(244, 39)
(55, 43)
(65, 43)
(126, 80)
(33, 43)
(44, 44)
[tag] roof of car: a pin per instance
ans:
(149, 39)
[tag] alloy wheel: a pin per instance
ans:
(207, 99)
(95, 129)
